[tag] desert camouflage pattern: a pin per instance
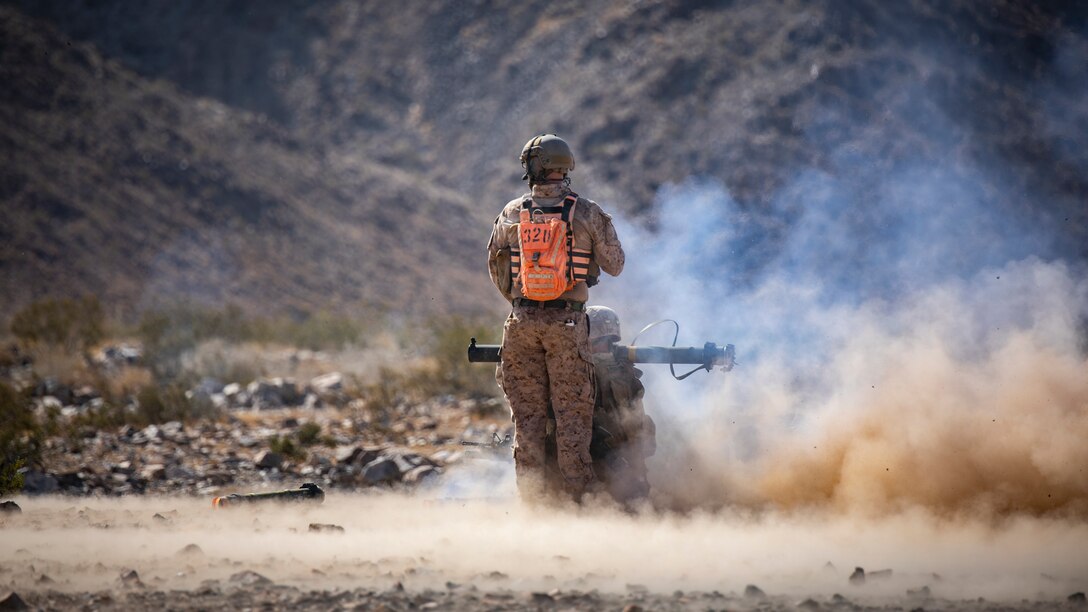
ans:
(545, 361)
(593, 231)
(623, 435)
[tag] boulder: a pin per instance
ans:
(328, 384)
(153, 471)
(179, 472)
(753, 592)
(356, 455)
(52, 386)
(129, 578)
(35, 482)
(12, 601)
(249, 578)
(264, 394)
(381, 470)
(419, 474)
(10, 507)
(85, 395)
(267, 460)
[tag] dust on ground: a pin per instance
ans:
(408, 551)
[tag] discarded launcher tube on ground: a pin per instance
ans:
(308, 492)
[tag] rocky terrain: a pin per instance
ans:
(216, 457)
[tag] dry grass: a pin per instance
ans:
(128, 381)
(65, 366)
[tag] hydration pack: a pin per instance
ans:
(543, 264)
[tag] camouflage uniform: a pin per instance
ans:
(545, 351)
(623, 435)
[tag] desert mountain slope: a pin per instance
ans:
(882, 112)
(124, 187)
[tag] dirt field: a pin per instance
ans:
(432, 551)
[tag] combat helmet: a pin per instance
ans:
(603, 321)
(544, 154)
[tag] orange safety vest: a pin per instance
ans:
(547, 265)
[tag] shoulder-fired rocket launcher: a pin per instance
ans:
(707, 357)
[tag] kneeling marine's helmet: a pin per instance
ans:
(544, 154)
(603, 321)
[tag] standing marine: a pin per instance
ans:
(624, 436)
(547, 248)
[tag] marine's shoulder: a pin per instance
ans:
(513, 206)
(590, 209)
(584, 201)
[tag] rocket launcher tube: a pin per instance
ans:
(308, 492)
(707, 356)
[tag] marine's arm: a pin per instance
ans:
(607, 250)
(498, 256)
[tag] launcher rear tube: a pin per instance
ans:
(692, 355)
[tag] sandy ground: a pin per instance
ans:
(433, 550)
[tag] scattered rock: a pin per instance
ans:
(12, 601)
(632, 608)
(326, 528)
(379, 471)
(37, 483)
(858, 577)
(809, 604)
(418, 474)
(839, 600)
(249, 578)
(923, 593)
(179, 472)
(153, 471)
(1077, 598)
(541, 598)
(129, 578)
(879, 575)
(191, 550)
(160, 518)
(328, 384)
(10, 507)
(45, 579)
(356, 455)
(753, 592)
(267, 460)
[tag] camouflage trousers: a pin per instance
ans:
(545, 361)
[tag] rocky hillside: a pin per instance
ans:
(128, 188)
(329, 113)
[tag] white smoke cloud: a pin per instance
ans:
(909, 352)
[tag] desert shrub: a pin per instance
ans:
(449, 371)
(20, 438)
(321, 331)
(59, 363)
(74, 324)
(308, 433)
(168, 403)
(169, 333)
(286, 447)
